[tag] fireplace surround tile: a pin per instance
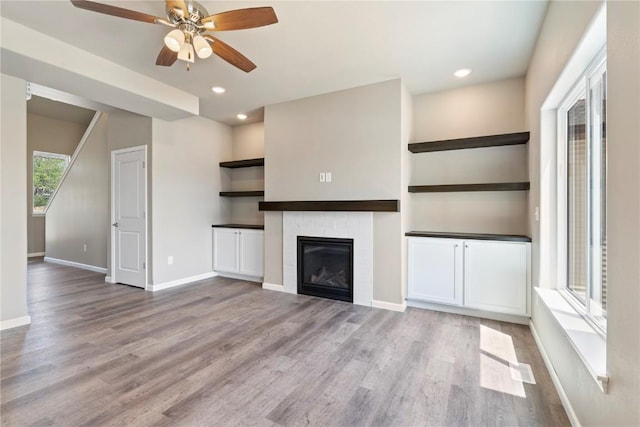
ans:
(354, 225)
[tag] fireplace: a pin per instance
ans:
(325, 267)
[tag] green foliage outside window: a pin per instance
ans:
(47, 172)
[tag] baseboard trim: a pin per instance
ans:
(389, 305)
(464, 311)
(75, 264)
(257, 279)
(571, 414)
(108, 279)
(14, 323)
(35, 254)
(273, 287)
(180, 282)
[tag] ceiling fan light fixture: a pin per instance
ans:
(186, 53)
(202, 47)
(174, 40)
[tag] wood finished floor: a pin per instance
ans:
(226, 352)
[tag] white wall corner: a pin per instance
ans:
(14, 323)
(180, 282)
(566, 404)
(389, 305)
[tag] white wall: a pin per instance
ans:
(563, 29)
(186, 182)
(247, 143)
(79, 213)
(356, 135)
(53, 136)
(13, 186)
(487, 109)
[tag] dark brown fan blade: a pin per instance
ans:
(229, 54)
(115, 11)
(178, 4)
(242, 19)
(166, 57)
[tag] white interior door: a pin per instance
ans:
(129, 185)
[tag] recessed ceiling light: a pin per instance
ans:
(242, 116)
(463, 72)
(218, 89)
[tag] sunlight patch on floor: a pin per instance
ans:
(497, 360)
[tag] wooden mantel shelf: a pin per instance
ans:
(333, 205)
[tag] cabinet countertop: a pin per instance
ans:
(470, 236)
(248, 226)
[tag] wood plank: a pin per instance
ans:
(470, 236)
(473, 142)
(258, 193)
(226, 351)
(234, 164)
(333, 205)
(497, 186)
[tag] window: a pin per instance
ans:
(48, 169)
(582, 194)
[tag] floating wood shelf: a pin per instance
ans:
(242, 193)
(475, 142)
(470, 236)
(242, 163)
(247, 226)
(498, 186)
(333, 205)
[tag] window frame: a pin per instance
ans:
(46, 154)
(595, 70)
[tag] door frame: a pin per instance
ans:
(112, 270)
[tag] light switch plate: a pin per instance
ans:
(322, 177)
(327, 176)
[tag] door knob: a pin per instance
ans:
(115, 224)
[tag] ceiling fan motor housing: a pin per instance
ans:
(195, 13)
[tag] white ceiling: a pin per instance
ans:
(317, 46)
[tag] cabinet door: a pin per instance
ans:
(495, 276)
(225, 250)
(435, 270)
(252, 252)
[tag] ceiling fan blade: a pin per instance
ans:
(229, 54)
(166, 57)
(178, 5)
(116, 11)
(242, 19)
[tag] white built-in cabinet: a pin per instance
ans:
(491, 276)
(238, 251)
(435, 270)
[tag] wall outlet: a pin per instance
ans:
(327, 176)
(321, 179)
(84, 247)
(170, 259)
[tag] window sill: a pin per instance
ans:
(590, 346)
(36, 215)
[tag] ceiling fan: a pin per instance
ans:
(191, 23)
